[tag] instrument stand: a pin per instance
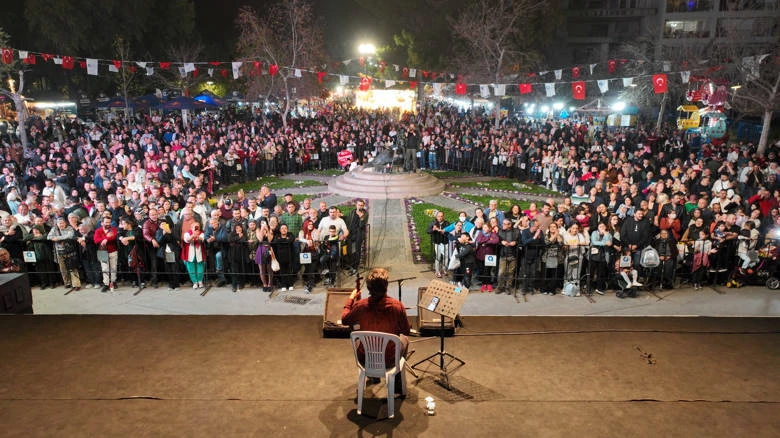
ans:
(441, 355)
(445, 300)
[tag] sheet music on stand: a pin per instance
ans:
(443, 299)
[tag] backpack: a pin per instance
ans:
(649, 258)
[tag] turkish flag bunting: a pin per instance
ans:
(405, 73)
(425, 73)
(47, 56)
(434, 75)
(165, 65)
(83, 64)
(30, 59)
(132, 69)
(194, 72)
(382, 66)
(412, 84)
(214, 63)
(365, 83)
(223, 72)
(8, 56)
(320, 75)
(67, 62)
(660, 84)
(257, 65)
(524, 88)
(460, 88)
(117, 64)
(530, 75)
(575, 72)
(578, 90)
(272, 69)
(611, 64)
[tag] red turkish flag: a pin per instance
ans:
(611, 64)
(425, 73)
(83, 64)
(223, 73)
(405, 73)
(460, 88)
(257, 65)
(47, 56)
(578, 90)
(117, 64)
(8, 56)
(30, 59)
(320, 75)
(524, 88)
(660, 84)
(365, 83)
(214, 63)
(194, 72)
(434, 75)
(273, 69)
(412, 84)
(67, 62)
(575, 72)
(165, 65)
(132, 69)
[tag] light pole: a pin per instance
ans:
(366, 50)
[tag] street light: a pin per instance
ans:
(366, 49)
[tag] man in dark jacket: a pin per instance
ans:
(533, 241)
(508, 238)
(439, 241)
(468, 259)
(636, 233)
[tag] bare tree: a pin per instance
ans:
(495, 35)
(122, 50)
(287, 37)
(15, 90)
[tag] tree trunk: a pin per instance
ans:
(661, 112)
(286, 103)
(762, 143)
(21, 113)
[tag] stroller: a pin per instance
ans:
(572, 267)
(763, 270)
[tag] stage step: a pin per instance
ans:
(366, 183)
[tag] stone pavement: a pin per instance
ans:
(391, 248)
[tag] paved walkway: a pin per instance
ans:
(390, 248)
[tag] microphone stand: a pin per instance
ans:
(399, 281)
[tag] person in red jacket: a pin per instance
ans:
(105, 239)
(764, 200)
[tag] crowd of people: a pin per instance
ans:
(136, 200)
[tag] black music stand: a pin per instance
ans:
(444, 299)
(399, 281)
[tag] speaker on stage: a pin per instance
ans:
(335, 301)
(429, 323)
(15, 294)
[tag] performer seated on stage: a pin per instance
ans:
(377, 313)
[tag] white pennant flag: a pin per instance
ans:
(558, 74)
(685, 76)
(343, 79)
(23, 54)
(396, 67)
(58, 60)
(484, 90)
(549, 87)
(603, 85)
(183, 72)
(297, 72)
(149, 71)
(211, 72)
(437, 89)
(412, 72)
(627, 82)
(542, 73)
(236, 65)
(92, 66)
(189, 66)
(499, 89)
(667, 65)
(112, 68)
(140, 64)
(389, 83)
(346, 61)
(592, 66)
(452, 75)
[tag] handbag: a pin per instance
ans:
(275, 264)
(454, 263)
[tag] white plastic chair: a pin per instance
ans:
(374, 344)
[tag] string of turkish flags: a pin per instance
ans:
(408, 75)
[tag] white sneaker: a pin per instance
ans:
(195, 286)
(290, 288)
(636, 283)
(283, 289)
(599, 292)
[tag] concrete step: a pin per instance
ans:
(372, 185)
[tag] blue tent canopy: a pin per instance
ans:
(210, 99)
(183, 103)
(117, 102)
(149, 100)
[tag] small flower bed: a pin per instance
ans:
(418, 215)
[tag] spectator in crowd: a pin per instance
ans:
(64, 238)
